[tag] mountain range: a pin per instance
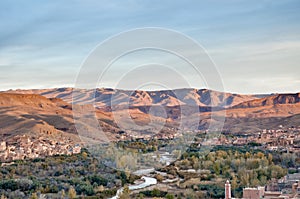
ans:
(51, 110)
(113, 97)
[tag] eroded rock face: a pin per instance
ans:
(109, 97)
(34, 113)
(271, 101)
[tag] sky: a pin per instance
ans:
(255, 45)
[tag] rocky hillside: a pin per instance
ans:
(113, 97)
(271, 101)
(50, 110)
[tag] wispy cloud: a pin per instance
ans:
(43, 43)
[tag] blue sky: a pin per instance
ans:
(255, 44)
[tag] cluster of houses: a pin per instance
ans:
(274, 140)
(24, 147)
(280, 139)
(169, 133)
(286, 188)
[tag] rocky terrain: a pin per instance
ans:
(113, 97)
(35, 111)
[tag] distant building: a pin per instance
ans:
(227, 190)
(293, 177)
(273, 195)
(76, 149)
(253, 193)
(2, 146)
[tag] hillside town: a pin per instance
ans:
(25, 147)
(281, 139)
(190, 172)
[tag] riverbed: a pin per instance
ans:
(148, 182)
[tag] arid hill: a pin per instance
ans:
(271, 101)
(49, 110)
(35, 114)
(258, 114)
(34, 100)
(31, 113)
(113, 97)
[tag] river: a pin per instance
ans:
(148, 182)
(165, 158)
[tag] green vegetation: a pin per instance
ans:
(142, 145)
(154, 193)
(204, 172)
(243, 166)
(125, 193)
(79, 174)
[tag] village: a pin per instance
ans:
(22, 147)
(292, 192)
(286, 188)
(26, 146)
(281, 139)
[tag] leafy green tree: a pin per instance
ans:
(270, 158)
(125, 193)
(3, 196)
(169, 196)
(62, 193)
(72, 193)
(34, 196)
(217, 167)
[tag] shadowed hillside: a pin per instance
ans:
(113, 97)
(149, 110)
